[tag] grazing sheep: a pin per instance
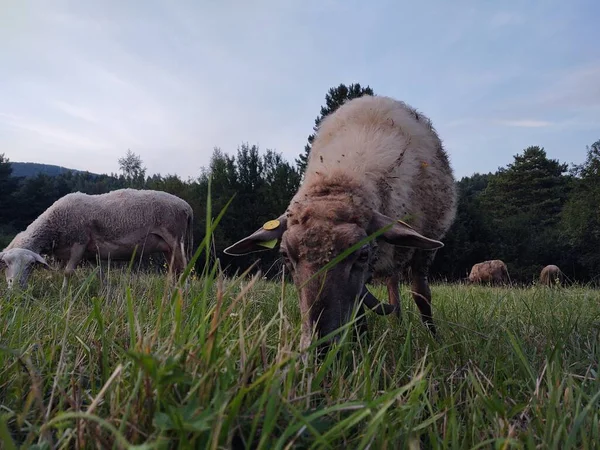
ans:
(551, 275)
(80, 226)
(18, 263)
(374, 161)
(493, 272)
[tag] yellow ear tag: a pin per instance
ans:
(271, 224)
(268, 244)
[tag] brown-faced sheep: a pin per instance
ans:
(492, 272)
(374, 161)
(80, 226)
(551, 275)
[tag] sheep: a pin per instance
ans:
(376, 164)
(550, 275)
(80, 226)
(18, 263)
(493, 272)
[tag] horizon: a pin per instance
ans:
(85, 82)
(196, 177)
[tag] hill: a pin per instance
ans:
(29, 169)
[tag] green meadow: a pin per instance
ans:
(133, 362)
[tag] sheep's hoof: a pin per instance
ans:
(398, 312)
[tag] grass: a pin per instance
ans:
(135, 363)
(131, 364)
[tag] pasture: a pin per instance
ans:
(132, 364)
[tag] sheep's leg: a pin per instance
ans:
(173, 264)
(182, 252)
(394, 294)
(421, 293)
(177, 260)
(422, 296)
(173, 253)
(170, 257)
(77, 252)
(103, 269)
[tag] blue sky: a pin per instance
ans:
(81, 82)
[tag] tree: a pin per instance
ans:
(281, 181)
(533, 184)
(470, 239)
(590, 169)
(8, 185)
(131, 166)
(335, 97)
(524, 202)
(261, 186)
(581, 215)
(38, 193)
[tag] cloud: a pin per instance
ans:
(569, 90)
(561, 100)
(575, 89)
(78, 112)
(173, 81)
(52, 133)
(525, 123)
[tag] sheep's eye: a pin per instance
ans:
(363, 255)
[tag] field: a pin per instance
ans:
(132, 364)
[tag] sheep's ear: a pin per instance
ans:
(264, 238)
(39, 261)
(2, 262)
(401, 234)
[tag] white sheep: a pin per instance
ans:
(551, 275)
(374, 162)
(492, 272)
(112, 226)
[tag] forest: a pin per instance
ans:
(532, 212)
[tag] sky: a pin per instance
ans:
(83, 81)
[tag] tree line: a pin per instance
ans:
(532, 212)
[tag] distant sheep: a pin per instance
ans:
(80, 226)
(493, 272)
(374, 161)
(551, 275)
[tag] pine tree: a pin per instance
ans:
(335, 97)
(470, 239)
(8, 185)
(524, 202)
(533, 185)
(581, 215)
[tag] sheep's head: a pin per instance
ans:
(311, 235)
(18, 264)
